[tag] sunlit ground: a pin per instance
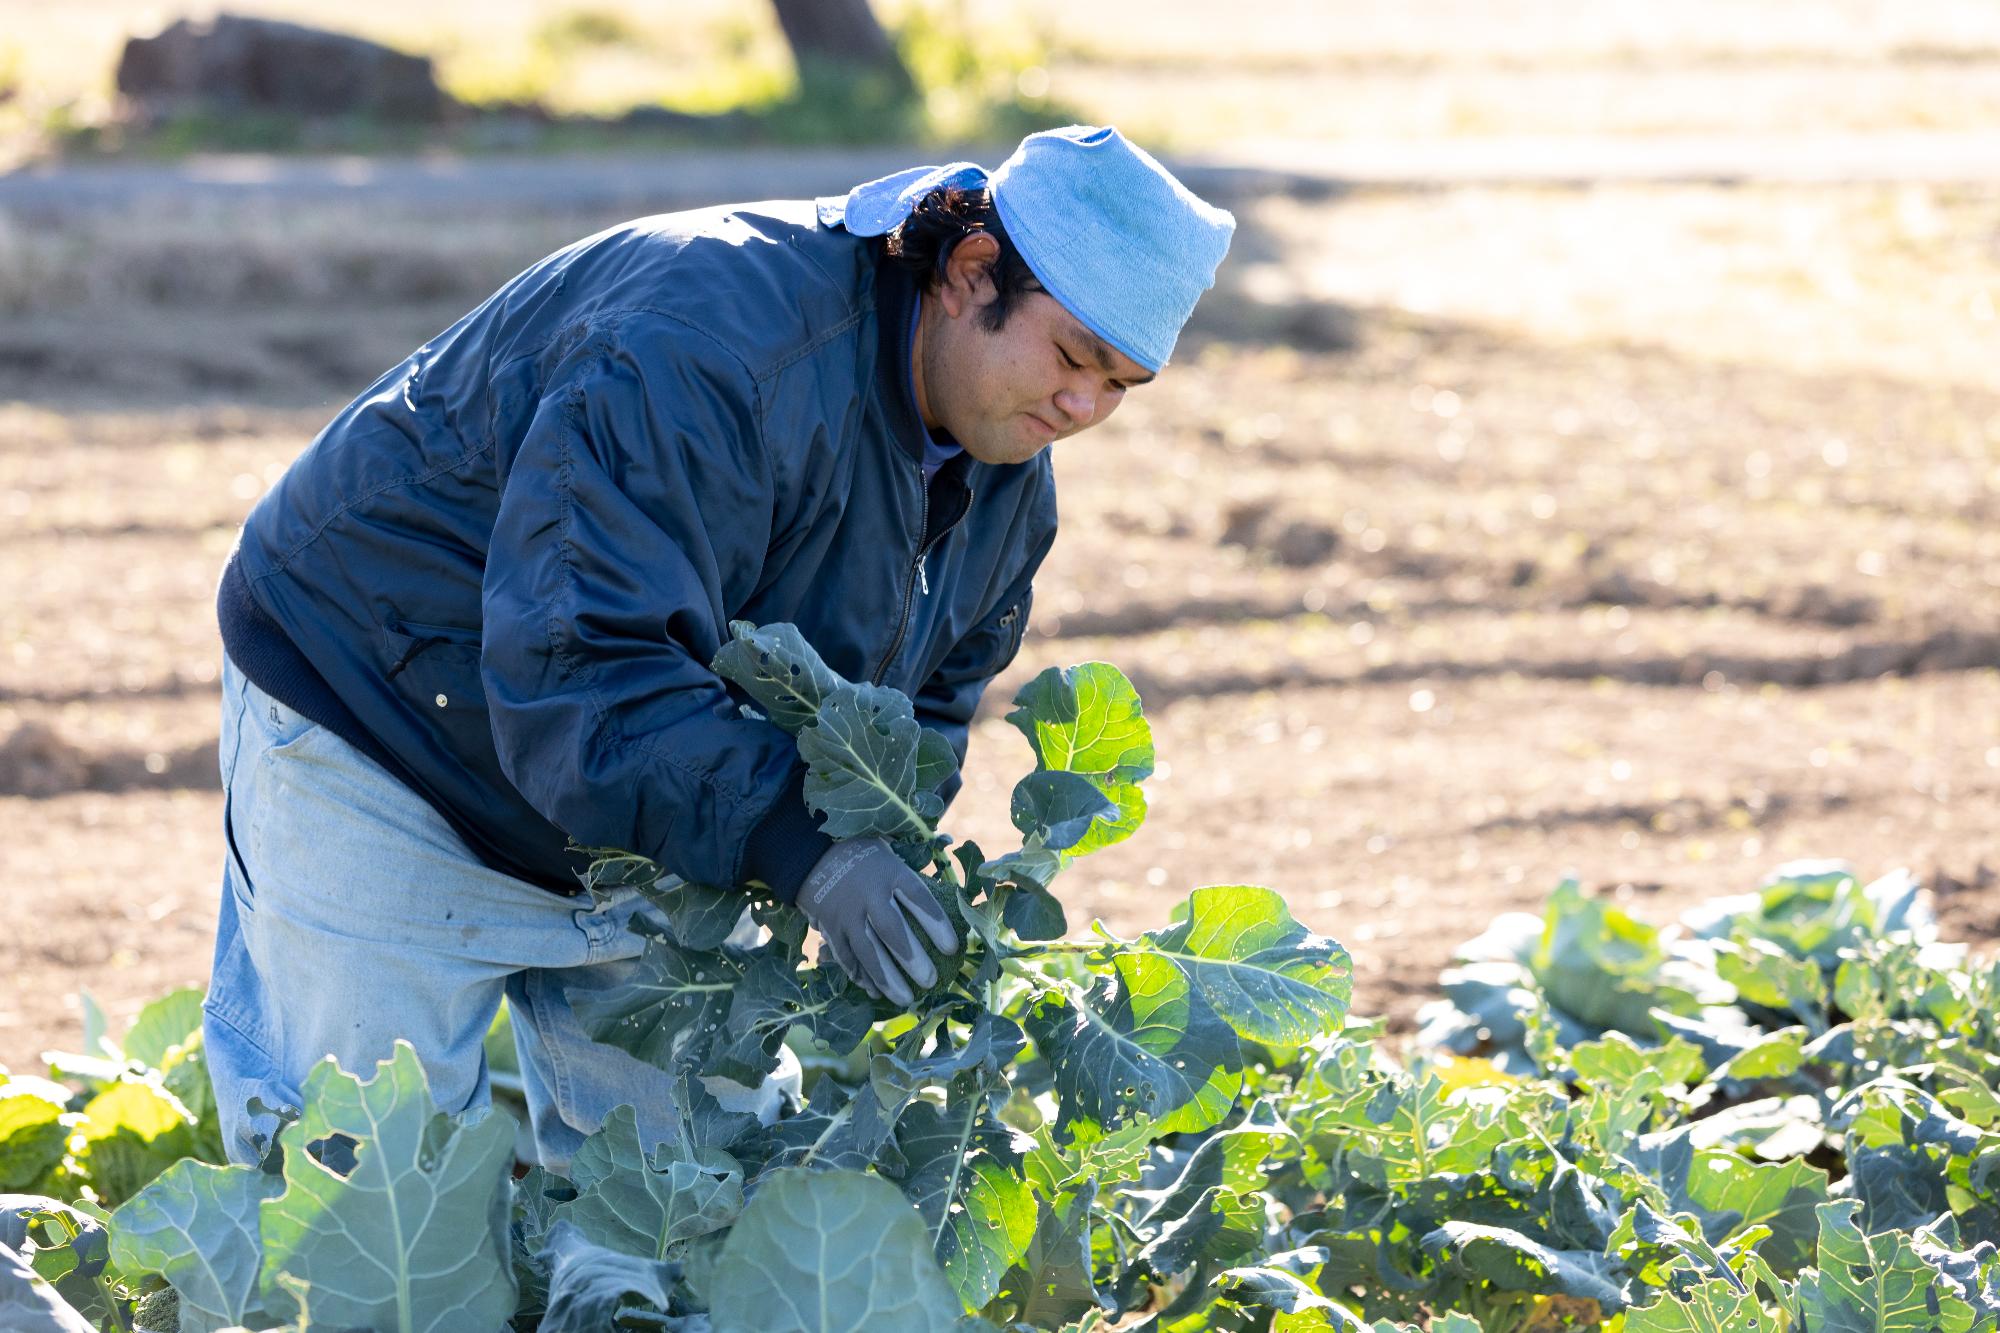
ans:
(1477, 536)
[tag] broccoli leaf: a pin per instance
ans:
(169, 1021)
(66, 1244)
(1877, 1282)
(1267, 976)
(1141, 1042)
(963, 1176)
(414, 1238)
(1031, 911)
(1088, 720)
(1055, 1281)
(699, 916)
(647, 1203)
(1296, 1304)
(1058, 809)
(1602, 966)
(1085, 719)
(1734, 1193)
(668, 1010)
(777, 667)
(936, 760)
(1512, 1261)
(129, 1133)
(33, 1130)
(589, 1284)
(1217, 1225)
(1412, 1135)
(861, 761)
(1714, 1306)
(27, 1301)
(829, 1252)
(197, 1226)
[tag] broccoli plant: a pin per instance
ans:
(1060, 1131)
(989, 1104)
(1787, 1123)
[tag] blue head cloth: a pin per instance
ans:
(1112, 235)
(880, 206)
(1105, 228)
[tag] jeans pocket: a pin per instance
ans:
(273, 734)
(236, 1040)
(266, 787)
(236, 871)
(230, 743)
(269, 723)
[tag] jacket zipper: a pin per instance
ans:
(919, 577)
(910, 587)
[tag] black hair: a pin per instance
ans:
(943, 218)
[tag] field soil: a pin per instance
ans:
(1476, 538)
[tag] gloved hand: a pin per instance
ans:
(863, 900)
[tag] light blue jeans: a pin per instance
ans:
(352, 915)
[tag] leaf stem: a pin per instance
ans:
(840, 1118)
(1041, 947)
(116, 1306)
(957, 1168)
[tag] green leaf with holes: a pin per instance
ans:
(774, 665)
(413, 1239)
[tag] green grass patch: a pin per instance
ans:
(596, 78)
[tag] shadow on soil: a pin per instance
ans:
(1811, 605)
(37, 762)
(1947, 650)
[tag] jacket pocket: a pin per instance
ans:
(1015, 625)
(434, 669)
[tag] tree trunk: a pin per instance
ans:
(844, 35)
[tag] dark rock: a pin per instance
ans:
(35, 761)
(1304, 542)
(1614, 588)
(1244, 521)
(1817, 602)
(244, 63)
(1258, 526)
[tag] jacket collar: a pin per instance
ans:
(896, 295)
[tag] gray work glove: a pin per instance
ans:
(863, 900)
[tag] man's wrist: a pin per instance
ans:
(786, 844)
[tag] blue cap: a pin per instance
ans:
(1112, 235)
(1105, 228)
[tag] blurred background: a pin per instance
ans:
(1588, 464)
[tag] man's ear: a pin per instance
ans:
(968, 274)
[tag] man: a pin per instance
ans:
(470, 629)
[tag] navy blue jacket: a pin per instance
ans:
(510, 561)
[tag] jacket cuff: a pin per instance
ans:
(787, 843)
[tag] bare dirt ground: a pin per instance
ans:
(1476, 538)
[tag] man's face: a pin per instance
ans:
(1005, 396)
